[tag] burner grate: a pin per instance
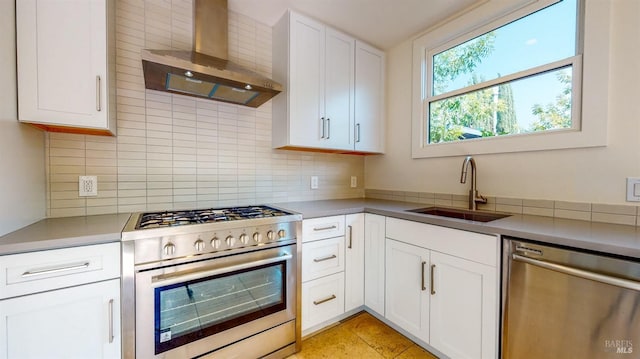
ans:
(186, 217)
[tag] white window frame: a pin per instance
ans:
(589, 80)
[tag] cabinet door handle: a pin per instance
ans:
(324, 228)
(328, 128)
(318, 302)
(111, 321)
(322, 125)
(350, 237)
(70, 267)
(357, 132)
(432, 285)
(423, 286)
(98, 94)
(317, 260)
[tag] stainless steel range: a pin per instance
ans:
(211, 283)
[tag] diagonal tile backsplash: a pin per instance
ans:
(176, 151)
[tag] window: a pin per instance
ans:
(516, 80)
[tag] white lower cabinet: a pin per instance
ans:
(62, 303)
(463, 307)
(77, 322)
(354, 262)
(323, 271)
(332, 269)
(438, 284)
(374, 263)
(407, 296)
(442, 287)
(322, 299)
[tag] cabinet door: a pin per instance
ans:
(463, 307)
(322, 300)
(77, 322)
(306, 91)
(339, 78)
(374, 264)
(407, 285)
(369, 98)
(322, 258)
(62, 62)
(354, 262)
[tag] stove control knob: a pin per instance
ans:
(270, 235)
(199, 245)
(230, 241)
(281, 234)
(169, 249)
(257, 237)
(244, 239)
(215, 243)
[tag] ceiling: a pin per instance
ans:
(382, 23)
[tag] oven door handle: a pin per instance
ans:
(185, 276)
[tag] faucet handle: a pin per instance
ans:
(480, 199)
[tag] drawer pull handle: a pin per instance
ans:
(423, 287)
(55, 270)
(98, 94)
(318, 302)
(325, 228)
(111, 336)
(433, 285)
(325, 258)
(350, 237)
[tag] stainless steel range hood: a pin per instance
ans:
(206, 71)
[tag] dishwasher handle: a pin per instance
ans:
(581, 273)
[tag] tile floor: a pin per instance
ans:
(360, 336)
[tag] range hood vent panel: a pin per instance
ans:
(204, 73)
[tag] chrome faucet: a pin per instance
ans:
(474, 198)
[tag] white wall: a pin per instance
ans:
(581, 175)
(22, 178)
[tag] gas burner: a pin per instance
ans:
(180, 218)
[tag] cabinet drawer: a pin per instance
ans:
(322, 300)
(322, 258)
(481, 248)
(33, 272)
(320, 228)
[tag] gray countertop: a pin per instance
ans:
(602, 237)
(52, 233)
(609, 238)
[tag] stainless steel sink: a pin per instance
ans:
(460, 214)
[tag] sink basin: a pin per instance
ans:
(460, 214)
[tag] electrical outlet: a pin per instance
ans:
(314, 182)
(88, 186)
(354, 181)
(633, 189)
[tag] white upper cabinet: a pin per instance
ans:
(338, 97)
(64, 55)
(369, 99)
(318, 109)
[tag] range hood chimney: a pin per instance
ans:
(206, 71)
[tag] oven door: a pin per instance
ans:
(192, 309)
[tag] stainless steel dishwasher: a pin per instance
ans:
(568, 303)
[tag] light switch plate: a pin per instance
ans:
(314, 182)
(354, 181)
(633, 189)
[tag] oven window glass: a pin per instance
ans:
(191, 310)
